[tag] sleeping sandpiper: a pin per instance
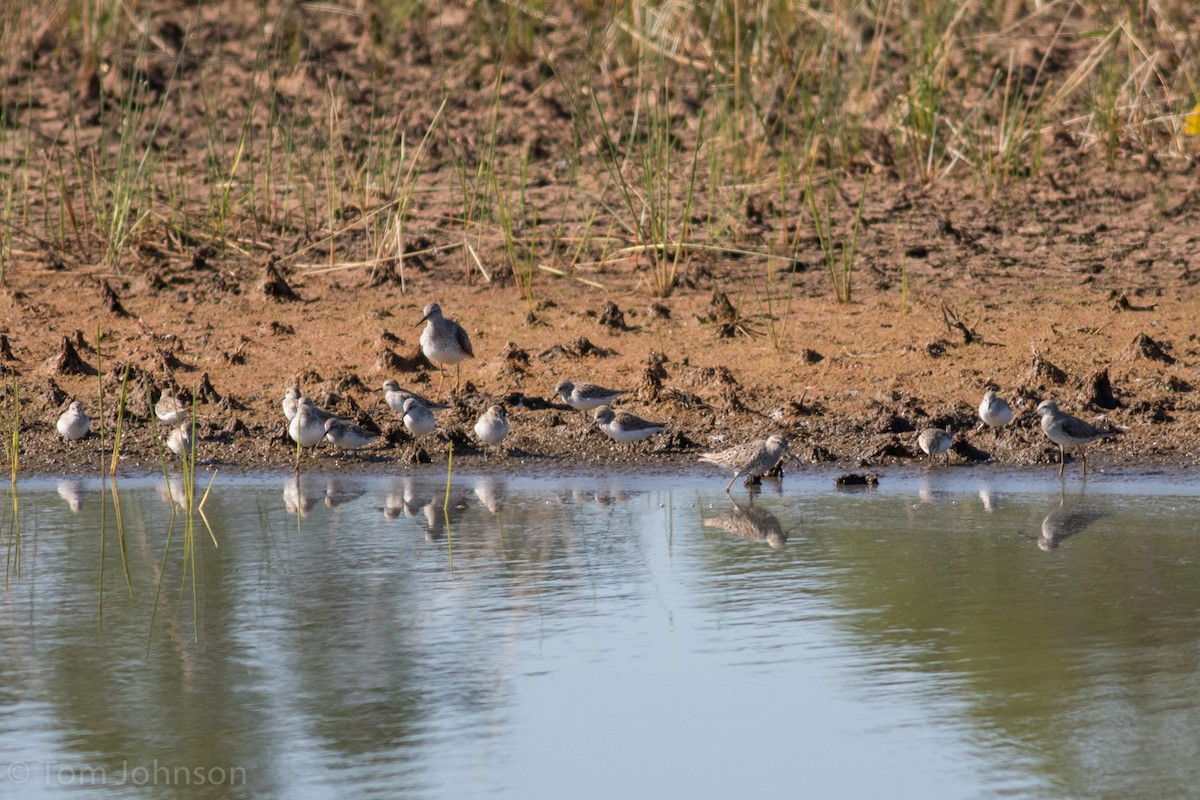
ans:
(290, 397)
(621, 426)
(73, 423)
(751, 459)
(585, 396)
(934, 442)
(418, 419)
(1068, 431)
(307, 428)
(492, 426)
(394, 396)
(444, 342)
(179, 440)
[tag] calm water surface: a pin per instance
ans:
(953, 634)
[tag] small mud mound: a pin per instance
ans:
(613, 317)
(576, 349)
(275, 287)
(68, 362)
(1143, 346)
(112, 303)
(1043, 371)
(653, 374)
(1098, 390)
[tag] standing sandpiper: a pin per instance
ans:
(73, 423)
(444, 342)
(492, 426)
(585, 396)
(994, 410)
(751, 459)
(1068, 431)
(934, 442)
(621, 426)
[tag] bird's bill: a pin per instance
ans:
(420, 321)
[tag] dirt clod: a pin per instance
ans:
(275, 286)
(68, 362)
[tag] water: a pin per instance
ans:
(952, 634)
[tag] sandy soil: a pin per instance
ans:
(1079, 285)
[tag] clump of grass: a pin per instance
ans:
(840, 254)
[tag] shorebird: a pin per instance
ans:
(73, 423)
(492, 426)
(290, 397)
(418, 419)
(169, 409)
(621, 426)
(444, 342)
(394, 396)
(934, 442)
(751, 459)
(307, 429)
(1068, 431)
(585, 396)
(347, 435)
(994, 410)
(179, 440)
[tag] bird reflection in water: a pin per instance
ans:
(490, 492)
(299, 497)
(748, 522)
(1066, 520)
(71, 491)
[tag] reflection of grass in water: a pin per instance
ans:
(191, 508)
(446, 504)
(13, 560)
(116, 495)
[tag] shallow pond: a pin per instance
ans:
(952, 633)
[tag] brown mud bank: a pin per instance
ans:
(848, 384)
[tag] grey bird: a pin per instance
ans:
(935, 441)
(179, 440)
(444, 342)
(307, 428)
(621, 426)
(73, 423)
(169, 409)
(290, 398)
(585, 396)
(418, 419)
(492, 426)
(394, 396)
(995, 410)
(751, 459)
(1068, 431)
(346, 435)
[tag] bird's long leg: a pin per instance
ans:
(1062, 459)
(1083, 456)
(441, 379)
(731, 480)
(457, 378)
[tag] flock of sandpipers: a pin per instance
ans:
(445, 342)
